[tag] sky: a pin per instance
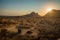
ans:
(23, 7)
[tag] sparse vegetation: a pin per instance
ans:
(29, 27)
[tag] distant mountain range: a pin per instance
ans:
(32, 14)
(53, 14)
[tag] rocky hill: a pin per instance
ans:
(53, 14)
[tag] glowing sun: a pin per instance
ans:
(49, 9)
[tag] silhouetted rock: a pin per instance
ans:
(32, 14)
